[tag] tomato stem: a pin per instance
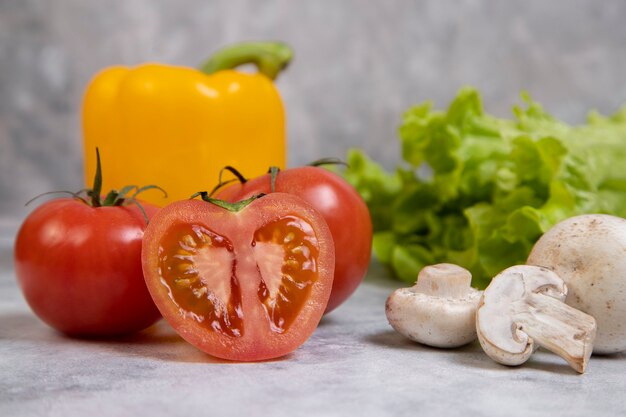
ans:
(113, 197)
(94, 193)
(75, 195)
(328, 161)
(221, 183)
(273, 171)
(234, 207)
(235, 172)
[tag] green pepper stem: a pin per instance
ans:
(270, 58)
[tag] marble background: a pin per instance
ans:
(358, 65)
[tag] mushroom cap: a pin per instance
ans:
(431, 320)
(500, 335)
(589, 253)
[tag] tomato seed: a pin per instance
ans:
(200, 292)
(292, 264)
(301, 250)
(188, 242)
(183, 282)
(289, 237)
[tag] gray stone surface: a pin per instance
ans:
(353, 365)
(358, 65)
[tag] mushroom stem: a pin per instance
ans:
(557, 327)
(444, 280)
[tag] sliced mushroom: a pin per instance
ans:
(439, 310)
(523, 308)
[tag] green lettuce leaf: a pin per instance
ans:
(478, 190)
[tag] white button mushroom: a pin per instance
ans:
(521, 308)
(439, 310)
(589, 253)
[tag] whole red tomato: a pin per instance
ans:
(78, 263)
(245, 282)
(341, 206)
(79, 267)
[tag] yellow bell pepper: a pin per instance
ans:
(176, 127)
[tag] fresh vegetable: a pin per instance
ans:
(589, 253)
(342, 208)
(478, 191)
(245, 281)
(439, 310)
(78, 262)
(523, 308)
(179, 126)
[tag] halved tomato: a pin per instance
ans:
(246, 281)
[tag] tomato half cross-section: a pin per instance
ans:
(247, 281)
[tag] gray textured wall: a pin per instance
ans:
(358, 65)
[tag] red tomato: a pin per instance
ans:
(241, 285)
(343, 209)
(79, 267)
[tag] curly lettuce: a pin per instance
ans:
(478, 190)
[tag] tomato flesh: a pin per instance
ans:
(287, 260)
(247, 285)
(199, 269)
